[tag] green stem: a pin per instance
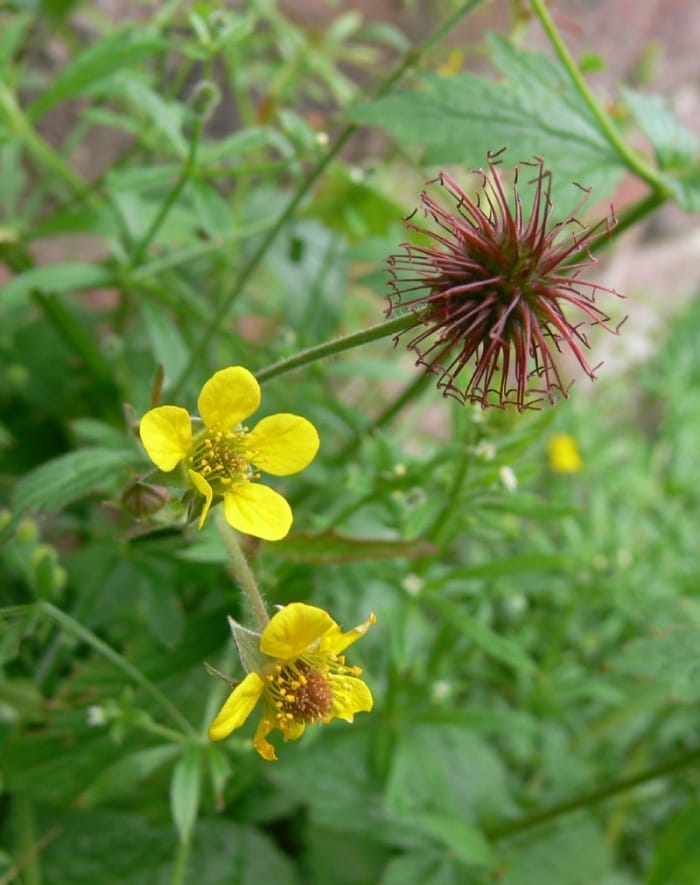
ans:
(170, 200)
(242, 571)
(410, 60)
(29, 848)
(70, 625)
(338, 345)
(634, 162)
(182, 856)
(595, 796)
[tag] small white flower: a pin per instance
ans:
(508, 478)
(486, 451)
(440, 690)
(412, 584)
(96, 716)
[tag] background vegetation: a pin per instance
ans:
(208, 187)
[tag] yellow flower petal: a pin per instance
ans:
(264, 747)
(350, 696)
(238, 707)
(166, 434)
(228, 398)
(294, 731)
(293, 629)
(335, 641)
(203, 487)
(257, 510)
(283, 444)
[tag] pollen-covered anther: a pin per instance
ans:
(302, 697)
(220, 456)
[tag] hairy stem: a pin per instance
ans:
(634, 161)
(242, 571)
(338, 345)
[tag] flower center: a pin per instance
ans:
(299, 693)
(221, 457)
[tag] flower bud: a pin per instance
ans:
(204, 99)
(141, 499)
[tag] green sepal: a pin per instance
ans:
(248, 645)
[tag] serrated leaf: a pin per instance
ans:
(674, 145)
(127, 772)
(534, 110)
(185, 788)
(56, 483)
(68, 276)
(672, 658)
(95, 64)
(459, 837)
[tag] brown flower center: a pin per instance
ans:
(299, 693)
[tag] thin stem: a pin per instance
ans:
(29, 846)
(634, 161)
(410, 60)
(595, 796)
(182, 856)
(242, 571)
(170, 200)
(70, 625)
(338, 345)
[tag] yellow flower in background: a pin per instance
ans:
(564, 456)
(225, 458)
(303, 678)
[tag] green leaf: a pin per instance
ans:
(482, 636)
(185, 788)
(95, 64)
(574, 853)
(56, 483)
(70, 276)
(330, 547)
(460, 838)
(523, 563)
(125, 774)
(166, 341)
(326, 548)
(443, 771)
(533, 110)
(672, 658)
(115, 847)
(677, 850)
(674, 145)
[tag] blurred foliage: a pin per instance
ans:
(174, 199)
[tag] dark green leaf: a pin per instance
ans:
(677, 850)
(66, 478)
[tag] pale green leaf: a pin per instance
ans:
(185, 788)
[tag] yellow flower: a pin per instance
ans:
(302, 678)
(564, 455)
(225, 457)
